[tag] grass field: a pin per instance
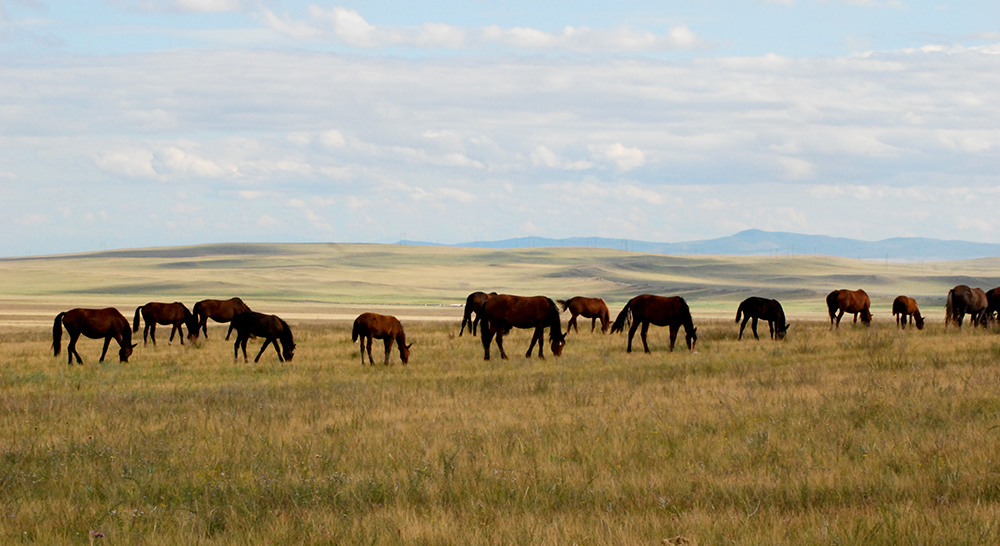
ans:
(856, 436)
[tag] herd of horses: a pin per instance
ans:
(493, 315)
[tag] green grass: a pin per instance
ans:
(861, 435)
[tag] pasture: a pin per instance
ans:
(860, 435)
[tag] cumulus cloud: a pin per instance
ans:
(625, 158)
(183, 6)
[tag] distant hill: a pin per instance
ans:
(754, 242)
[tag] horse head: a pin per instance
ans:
(404, 352)
(126, 351)
(780, 331)
(288, 351)
(691, 336)
(919, 320)
(557, 345)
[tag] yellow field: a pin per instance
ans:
(856, 436)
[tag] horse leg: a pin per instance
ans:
(631, 333)
(593, 325)
(230, 332)
(368, 346)
(267, 342)
(475, 322)
(71, 349)
(503, 353)
(203, 326)
(673, 334)
(746, 319)
(145, 335)
(539, 337)
(107, 342)
(487, 338)
(173, 331)
(572, 324)
(753, 328)
(152, 333)
(770, 326)
(642, 335)
(388, 348)
(839, 316)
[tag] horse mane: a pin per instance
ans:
(285, 335)
(623, 317)
(555, 323)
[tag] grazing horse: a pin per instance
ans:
(904, 308)
(219, 311)
(474, 304)
(761, 308)
(271, 328)
(648, 309)
(503, 312)
(992, 304)
(849, 301)
(962, 300)
(369, 326)
(95, 324)
(592, 308)
(174, 314)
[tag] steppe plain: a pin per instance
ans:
(853, 436)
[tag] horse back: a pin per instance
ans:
(520, 311)
(95, 323)
(660, 310)
(376, 326)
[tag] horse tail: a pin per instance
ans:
(467, 316)
(135, 321)
(57, 334)
(356, 331)
(739, 312)
(831, 304)
(624, 316)
(564, 305)
(949, 307)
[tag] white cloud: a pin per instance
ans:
(625, 158)
(171, 160)
(182, 6)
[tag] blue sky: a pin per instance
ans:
(135, 123)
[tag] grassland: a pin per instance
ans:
(857, 436)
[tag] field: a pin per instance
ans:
(855, 436)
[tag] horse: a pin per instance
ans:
(174, 314)
(95, 324)
(592, 308)
(962, 300)
(219, 311)
(503, 312)
(762, 308)
(992, 304)
(474, 304)
(270, 327)
(648, 309)
(904, 308)
(981, 316)
(849, 301)
(369, 326)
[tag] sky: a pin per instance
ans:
(145, 123)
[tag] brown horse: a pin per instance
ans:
(842, 301)
(269, 327)
(648, 309)
(962, 300)
(95, 324)
(173, 314)
(219, 311)
(904, 308)
(992, 304)
(761, 308)
(474, 304)
(369, 326)
(592, 308)
(503, 312)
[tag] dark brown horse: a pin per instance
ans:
(592, 308)
(503, 312)
(474, 304)
(992, 304)
(842, 301)
(219, 311)
(173, 314)
(369, 326)
(95, 324)
(648, 309)
(269, 327)
(963, 300)
(904, 308)
(754, 308)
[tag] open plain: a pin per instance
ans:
(852, 436)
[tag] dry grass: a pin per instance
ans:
(861, 436)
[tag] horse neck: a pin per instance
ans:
(555, 323)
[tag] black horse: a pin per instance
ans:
(219, 311)
(754, 308)
(271, 328)
(503, 312)
(648, 309)
(168, 314)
